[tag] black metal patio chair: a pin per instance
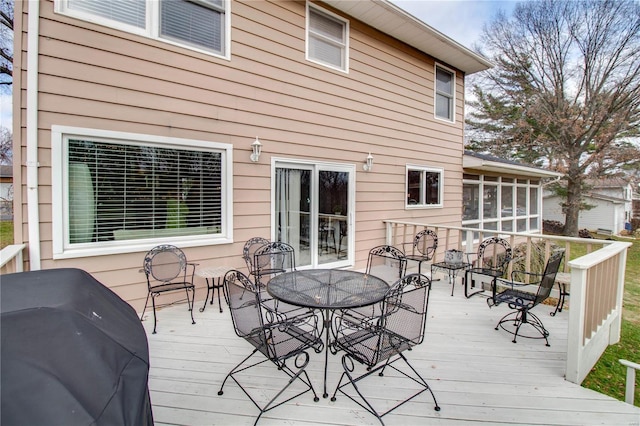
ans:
(491, 261)
(386, 262)
(284, 343)
(272, 259)
(423, 247)
(166, 269)
(379, 343)
(524, 296)
(249, 250)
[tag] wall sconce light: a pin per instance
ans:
(256, 149)
(369, 164)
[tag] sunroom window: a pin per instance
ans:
(518, 203)
(201, 24)
(424, 187)
(327, 38)
(116, 192)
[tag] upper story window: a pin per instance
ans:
(115, 192)
(424, 186)
(200, 24)
(327, 38)
(445, 93)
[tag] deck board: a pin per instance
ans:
(477, 373)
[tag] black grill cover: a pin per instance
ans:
(72, 352)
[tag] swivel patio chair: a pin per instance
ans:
(524, 296)
(423, 247)
(166, 268)
(492, 259)
(285, 343)
(380, 344)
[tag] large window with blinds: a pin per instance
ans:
(129, 190)
(327, 38)
(198, 24)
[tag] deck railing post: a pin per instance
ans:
(630, 388)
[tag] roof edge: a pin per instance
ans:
(494, 164)
(412, 31)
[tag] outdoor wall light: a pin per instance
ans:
(256, 149)
(369, 164)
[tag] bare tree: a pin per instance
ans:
(565, 91)
(6, 43)
(6, 142)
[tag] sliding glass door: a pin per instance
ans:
(313, 211)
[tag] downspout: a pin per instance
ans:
(33, 215)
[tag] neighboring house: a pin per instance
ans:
(6, 192)
(137, 121)
(502, 195)
(612, 206)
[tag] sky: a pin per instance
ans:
(461, 20)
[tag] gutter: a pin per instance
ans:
(33, 215)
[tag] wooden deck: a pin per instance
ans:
(477, 374)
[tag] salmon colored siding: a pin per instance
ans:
(92, 76)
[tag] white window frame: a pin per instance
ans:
(451, 96)
(423, 170)
(152, 24)
(63, 249)
(309, 35)
(315, 167)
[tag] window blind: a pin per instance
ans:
(142, 191)
(196, 24)
(130, 12)
(326, 39)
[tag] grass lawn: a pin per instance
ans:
(608, 375)
(6, 233)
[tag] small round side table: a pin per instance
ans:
(213, 276)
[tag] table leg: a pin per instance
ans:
(209, 288)
(327, 324)
(219, 286)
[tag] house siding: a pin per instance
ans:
(92, 76)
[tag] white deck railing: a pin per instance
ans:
(596, 282)
(11, 258)
(630, 388)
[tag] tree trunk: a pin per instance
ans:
(572, 208)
